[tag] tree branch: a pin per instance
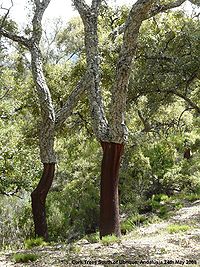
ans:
(95, 4)
(10, 194)
(162, 8)
(184, 97)
(137, 14)
(72, 100)
(89, 17)
(6, 92)
(187, 99)
(37, 19)
(179, 119)
(81, 6)
(6, 15)
(146, 124)
(154, 11)
(85, 123)
(16, 38)
(195, 2)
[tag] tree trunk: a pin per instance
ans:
(38, 197)
(187, 153)
(109, 199)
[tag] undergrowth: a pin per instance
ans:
(25, 257)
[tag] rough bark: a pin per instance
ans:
(89, 16)
(158, 8)
(38, 197)
(109, 200)
(137, 15)
(47, 127)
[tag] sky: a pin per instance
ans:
(56, 8)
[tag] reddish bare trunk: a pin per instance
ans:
(187, 153)
(39, 198)
(109, 199)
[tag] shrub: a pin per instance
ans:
(16, 221)
(93, 238)
(192, 197)
(176, 228)
(73, 212)
(34, 242)
(24, 257)
(73, 203)
(160, 205)
(127, 226)
(134, 180)
(131, 222)
(110, 239)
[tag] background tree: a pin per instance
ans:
(171, 57)
(167, 125)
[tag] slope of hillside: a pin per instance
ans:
(174, 242)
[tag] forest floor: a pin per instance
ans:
(149, 245)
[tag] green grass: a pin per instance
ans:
(164, 205)
(24, 257)
(73, 248)
(176, 228)
(130, 223)
(109, 239)
(93, 238)
(34, 242)
(192, 197)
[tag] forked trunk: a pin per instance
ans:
(109, 199)
(38, 197)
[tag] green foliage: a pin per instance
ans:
(153, 168)
(9, 25)
(167, 53)
(16, 221)
(127, 226)
(34, 242)
(25, 257)
(109, 240)
(74, 211)
(155, 165)
(131, 222)
(192, 197)
(18, 170)
(74, 248)
(71, 38)
(176, 228)
(161, 158)
(73, 204)
(134, 179)
(163, 205)
(93, 238)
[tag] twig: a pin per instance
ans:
(6, 15)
